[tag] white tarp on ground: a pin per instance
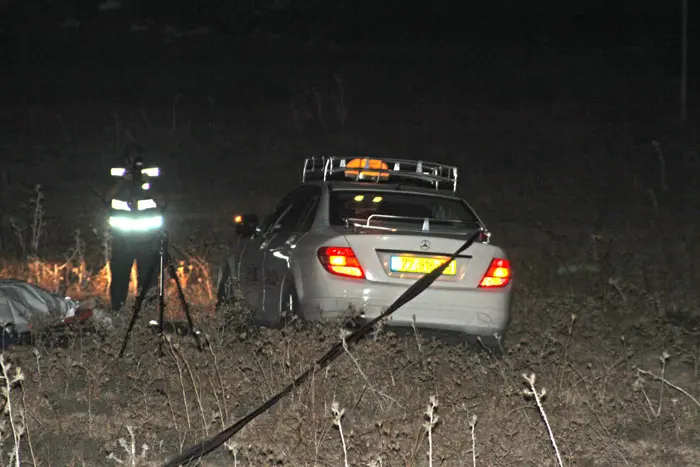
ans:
(22, 303)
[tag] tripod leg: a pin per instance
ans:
(183, 302)
(137, 304)
(161, 293)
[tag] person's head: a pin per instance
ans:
(133, 155)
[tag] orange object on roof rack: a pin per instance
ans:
(376, 170)
(373, 168)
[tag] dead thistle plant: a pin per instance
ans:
(539, 396)
(639, 384)
(37, 204)
(338, 413)
(430, 423)
(472, 426)
(343, 334)
(133, 458)
(17, 423)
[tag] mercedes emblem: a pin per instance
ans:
(425, 245)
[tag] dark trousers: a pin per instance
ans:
(125, 250)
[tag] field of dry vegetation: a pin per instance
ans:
(583, 178)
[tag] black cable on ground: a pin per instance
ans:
(200, 450)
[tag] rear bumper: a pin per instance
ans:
(473, 312)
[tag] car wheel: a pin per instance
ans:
(289, 303)
(224, 287)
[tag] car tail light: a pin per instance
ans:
(498, 274)
(340, 261)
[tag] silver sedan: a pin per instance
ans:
(355, 235)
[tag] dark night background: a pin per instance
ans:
(562, 116)
(532, 93)
(581, 22)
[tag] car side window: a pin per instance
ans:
(296, 218)
(272, 218)
(310, 212)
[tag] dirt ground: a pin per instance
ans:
(573, 157)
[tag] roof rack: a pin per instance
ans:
(366, 169)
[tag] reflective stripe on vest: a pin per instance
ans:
(141, 205)
(145, 217)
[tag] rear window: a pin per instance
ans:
(360, 204)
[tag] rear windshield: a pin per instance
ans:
(360, 204)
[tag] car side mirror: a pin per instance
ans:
(246, 224)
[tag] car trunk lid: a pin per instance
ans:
(403, 257)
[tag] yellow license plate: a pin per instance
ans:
(418, 265)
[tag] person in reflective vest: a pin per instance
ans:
(135, 220)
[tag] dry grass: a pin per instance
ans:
(604, 403)
(193, 274)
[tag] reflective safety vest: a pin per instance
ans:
(139, 214)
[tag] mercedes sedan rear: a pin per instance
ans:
(351, 245)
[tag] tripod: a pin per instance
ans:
(160, 259)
